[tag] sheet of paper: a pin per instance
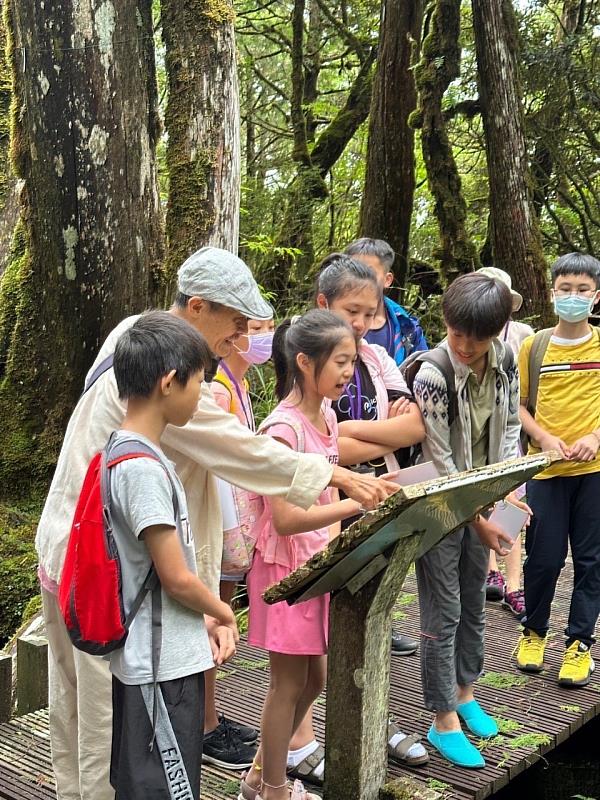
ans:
(509, 517)
(417, 474)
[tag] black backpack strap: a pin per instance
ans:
(508, 358)
(102, 367)
(540, 343)
(440, 359)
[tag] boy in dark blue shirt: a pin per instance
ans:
(393, 328)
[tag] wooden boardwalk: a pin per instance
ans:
(536, 715)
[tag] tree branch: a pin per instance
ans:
(334, 138)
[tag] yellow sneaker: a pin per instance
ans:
(530, 652)
(577, 665)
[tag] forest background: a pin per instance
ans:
(134, 132)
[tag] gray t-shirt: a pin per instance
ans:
(142, 496)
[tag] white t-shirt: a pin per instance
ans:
(141, 496)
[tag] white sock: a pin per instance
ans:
(414, 750)
(294, 757)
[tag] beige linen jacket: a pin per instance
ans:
(212, 443)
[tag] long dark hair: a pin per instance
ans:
(316, 334)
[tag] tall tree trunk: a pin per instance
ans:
(84, 127)
(387, 203)
(202, 122)
(515, 233)
(9, 194)
(439, 66)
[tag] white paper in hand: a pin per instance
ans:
(509, 517)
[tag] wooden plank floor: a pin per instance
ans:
(537, 715)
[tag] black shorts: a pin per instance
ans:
(171, 769)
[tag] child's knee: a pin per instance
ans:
(287, 689)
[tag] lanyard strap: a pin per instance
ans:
(391, 345)
(246, 408)
(505, 337)
(356, 401)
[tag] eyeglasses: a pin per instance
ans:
(577, 292)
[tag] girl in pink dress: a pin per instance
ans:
(314, 359)
(377, 417)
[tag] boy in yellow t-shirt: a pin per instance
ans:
(565, 498)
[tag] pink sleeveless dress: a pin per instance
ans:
(301, 629)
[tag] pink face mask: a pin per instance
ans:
(260, 348)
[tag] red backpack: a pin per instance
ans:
(89, 591)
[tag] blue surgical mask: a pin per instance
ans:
(574, 308)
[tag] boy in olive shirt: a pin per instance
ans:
(565, 498)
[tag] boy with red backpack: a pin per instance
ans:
(159, 366)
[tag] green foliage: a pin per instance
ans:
(261, 664)
(262, 391)
(18, 562)
(502, 680)
(528, 741)
(508, 725)
(230, 787)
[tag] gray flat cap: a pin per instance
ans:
(222, 277)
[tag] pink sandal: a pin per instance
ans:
(247, 792)
(297, 791)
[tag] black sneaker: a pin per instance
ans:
(246, 733)
(403, 645)
(225, 749)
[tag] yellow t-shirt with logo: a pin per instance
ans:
(568, 400)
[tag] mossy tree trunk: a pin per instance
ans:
(202, 123)
(9, 207)
(84, 127)
(387, 203)
(516, 240)
(439, 66)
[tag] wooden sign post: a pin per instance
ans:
(364, 569)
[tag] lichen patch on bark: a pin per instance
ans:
(70, 239)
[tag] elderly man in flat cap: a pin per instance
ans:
(217, 295)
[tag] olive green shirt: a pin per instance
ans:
(482, 397)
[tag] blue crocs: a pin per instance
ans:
(455, 746)
(478, 722)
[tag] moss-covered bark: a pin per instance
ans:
(387, 204)
(202, 123)
(18, 562)
(515, 235)
(5, 92)
(438, 67)
(8, 181)
(83, 132)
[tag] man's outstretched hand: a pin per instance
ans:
(366, 490)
